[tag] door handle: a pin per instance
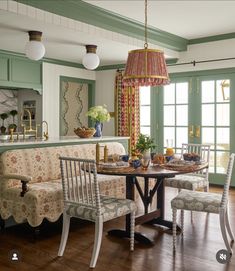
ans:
(191, 131)
(198, 131)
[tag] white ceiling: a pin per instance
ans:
(60, 42)
(66, 42)
(188, 19)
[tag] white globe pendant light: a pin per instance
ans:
(34, 48)
(91, 60)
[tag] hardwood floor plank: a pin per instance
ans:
(196, 250)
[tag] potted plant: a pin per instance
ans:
(144, 146)
(3, 117)
(99, 114)
(13, 113)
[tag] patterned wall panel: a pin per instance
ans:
(73, 107)
(8, 102)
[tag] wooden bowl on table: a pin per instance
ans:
(84, 132)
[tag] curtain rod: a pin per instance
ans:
(194, 62)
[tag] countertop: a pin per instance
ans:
(60, 140)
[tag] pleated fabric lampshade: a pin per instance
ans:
(145, 67)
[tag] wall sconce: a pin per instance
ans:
(225, 87)
(34, 48)
(91, 60)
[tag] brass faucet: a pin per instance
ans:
(45, 134)
(25, 130)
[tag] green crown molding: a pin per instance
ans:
(171, 61)
(74, 64)
(90, 14)
(111, 67)
(122, 66)
(47, 60)
(210, 72)
(212, 38)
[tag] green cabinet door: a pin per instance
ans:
(3, 68)
(25, 71)
(20, 72)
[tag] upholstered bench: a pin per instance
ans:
(30, 181)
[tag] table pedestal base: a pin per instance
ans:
(139, 237)
(162, 222)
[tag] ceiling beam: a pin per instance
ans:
(99, 17)
(213, 38)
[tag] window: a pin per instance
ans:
(145, 127)
(215, 122)
(175, 114)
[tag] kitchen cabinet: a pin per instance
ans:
(20, 72)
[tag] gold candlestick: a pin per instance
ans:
(105, 154)
(97, 153)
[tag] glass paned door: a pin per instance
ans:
(197, 110)
(215, 122)
(175, 114)
(145, 127)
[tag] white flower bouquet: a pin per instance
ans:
(99, 113)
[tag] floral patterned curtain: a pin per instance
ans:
(127, 111)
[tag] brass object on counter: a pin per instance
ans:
(11, 134)
(97, 153)
(105, 154)
(45, 134)
(25, 130)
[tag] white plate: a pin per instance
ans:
(181, 163)
(115, 165)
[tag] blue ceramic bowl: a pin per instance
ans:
(125, 158)
(194, 158)
(169, 158)
(136, 163)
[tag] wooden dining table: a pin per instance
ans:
(156, 216)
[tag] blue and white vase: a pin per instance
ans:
(98, 128)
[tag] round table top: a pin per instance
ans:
(153, 171)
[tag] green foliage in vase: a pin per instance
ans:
(3, 117)
(13, 113)
(98, 113)
(144, 143)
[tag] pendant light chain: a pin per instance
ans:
(145, 26)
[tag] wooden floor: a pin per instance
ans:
(196, 251)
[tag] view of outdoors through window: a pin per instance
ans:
(214, 124)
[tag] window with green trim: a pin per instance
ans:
(215, 121)
(145, 126)
(175, 114)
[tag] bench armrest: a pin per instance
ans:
(23, 178)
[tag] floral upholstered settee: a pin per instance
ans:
(30, 181)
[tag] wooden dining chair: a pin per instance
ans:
(206, 202)
(195, 180)
(83, 200)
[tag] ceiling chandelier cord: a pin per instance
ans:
(145, 25)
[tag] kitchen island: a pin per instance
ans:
(61, 141)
